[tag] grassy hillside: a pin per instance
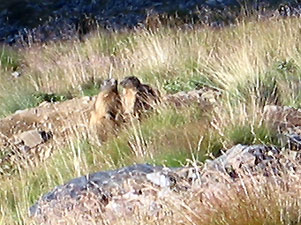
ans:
(252, 64)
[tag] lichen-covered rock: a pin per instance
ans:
(242, 157)
(111, 194)
(146, 189)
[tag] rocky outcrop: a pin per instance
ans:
(110, 194)
(146, 189)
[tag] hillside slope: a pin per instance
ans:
(252, 65)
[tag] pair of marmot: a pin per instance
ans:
(111, 109)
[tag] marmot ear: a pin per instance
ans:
(122, 82)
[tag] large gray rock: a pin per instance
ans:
(116, 193)
(145, 189)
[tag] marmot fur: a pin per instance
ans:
(106, 114)
(137, 97)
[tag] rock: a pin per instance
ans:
(294, 142)
(162, 180)
(242, 158)
(291, 141)
(116, 192)
(287, 121)
(282, 117)
(23, 149)
(146, 189)
(33, 138)
(16, 74)
(204, 96)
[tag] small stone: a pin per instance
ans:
(16, 74)
(32, 138)
(159, 179)
(87, 99)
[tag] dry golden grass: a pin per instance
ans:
(247, 62)
(230, 56)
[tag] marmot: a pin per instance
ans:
(106, 115)
(137, 97)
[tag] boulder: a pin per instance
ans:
(147, 189)
(111, 194)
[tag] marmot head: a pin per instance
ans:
(109, 85)
(130, 82)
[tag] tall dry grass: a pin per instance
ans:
(252, 64)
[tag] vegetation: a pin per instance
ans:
(253, 63)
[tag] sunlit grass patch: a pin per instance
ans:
(10, 59)
(19, 100)
(249, 134)
(91, 87)
(16, 99)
